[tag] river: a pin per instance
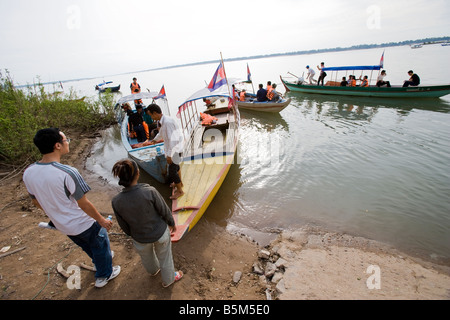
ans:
(376, 168)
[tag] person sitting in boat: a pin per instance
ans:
(135, 121)
(275, 95)
(152, 126)
(310, 73)
(352, 81)
(269, 86)
(380, 80)
(414, 80)
(236, 92)
(364, 82)
(243, 95)
(261, 95)
(344, 82)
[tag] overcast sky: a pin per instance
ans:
(59, 39)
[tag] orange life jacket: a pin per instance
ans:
(365, 83)
(270, 93)
(242, 96)
(352, 83)
(135, 86)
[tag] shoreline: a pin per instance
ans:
(309, 263)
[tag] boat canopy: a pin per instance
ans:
(137, 96)
(222, 91)
(353, 68)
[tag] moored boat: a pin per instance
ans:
(267, 106)
(211, 138)
(151, 158)
(371, 91)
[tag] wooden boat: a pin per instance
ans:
(209, 151)
(102, 89)
(267, 106)
(334, 88)
(372, 91)
(150, 158)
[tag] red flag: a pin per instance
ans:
(218, 79)
(161, 94)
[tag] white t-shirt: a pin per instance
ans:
(311, 72)
(172, 135)
(57, 187)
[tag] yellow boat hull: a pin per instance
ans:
(202, 179)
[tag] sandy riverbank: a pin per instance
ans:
(314, 264)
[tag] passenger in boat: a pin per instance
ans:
(344, 82)
(380, 80)
(269, 86)
(152, 126)
(261, 95)
(135, 87)
(352, 82)
(364, 82)
(135, 121)
(143, 214)
(414, 80)
(322, 75)
(310, 73)
(243, 95)
(275, 94)
(172, 136)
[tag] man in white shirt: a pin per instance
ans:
(310, 73)
(172, 136)
(60, 191)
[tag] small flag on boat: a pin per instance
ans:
(218, 79)
(161, 94)
(249, 75)
(382, 61)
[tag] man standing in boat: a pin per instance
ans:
(171, 134)
(135, 87)
(323, 74)
(310, 73)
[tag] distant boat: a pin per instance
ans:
(416, 46)
(446, 44)
(102, 87)
(208, 153)
(150, 158)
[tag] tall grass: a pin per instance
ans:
(24, 112)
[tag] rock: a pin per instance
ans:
(268, 295)
(281, 288)
(270, 269)
(264, 254)
(277, 277)
(281, 263)
(258, 269)
(237, 276)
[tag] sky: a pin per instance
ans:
(61, 40)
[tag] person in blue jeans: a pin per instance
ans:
(60, 191)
